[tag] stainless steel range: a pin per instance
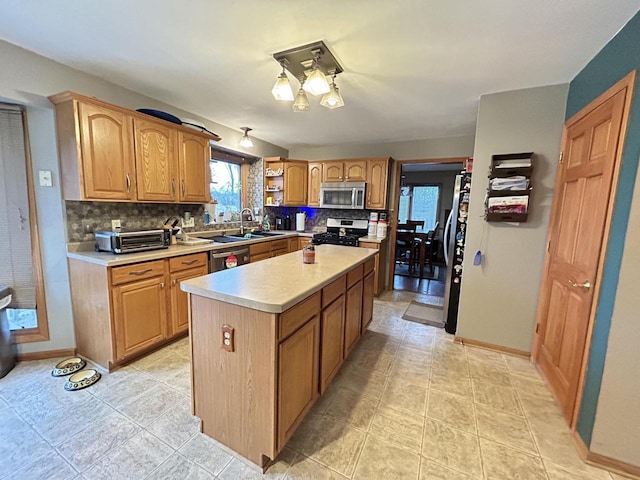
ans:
(342, 231)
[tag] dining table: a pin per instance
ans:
(409, 236)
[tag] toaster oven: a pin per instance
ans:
(132, 241)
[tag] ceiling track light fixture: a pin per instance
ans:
(245, 140)
(311, 64)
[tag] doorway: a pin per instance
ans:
(422, 200)
(586, 181)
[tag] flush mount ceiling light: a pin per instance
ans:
(311, 64)
(246, 141)
(282, 89)
(332, 99)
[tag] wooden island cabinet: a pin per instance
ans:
(263, 351)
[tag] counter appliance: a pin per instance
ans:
(131, 241)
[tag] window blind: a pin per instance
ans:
(16, 267)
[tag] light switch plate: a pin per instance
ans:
(45, 178)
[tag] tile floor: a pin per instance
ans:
(408, 404)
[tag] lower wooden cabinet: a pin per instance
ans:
(332, 344)
(304, 242)
(353, 317)
(368, 288)
(380, 259)
(140, 315)
(297, 377)
(271, 248)
(122, 312)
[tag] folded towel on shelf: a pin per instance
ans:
(509, 183)
(514, 204)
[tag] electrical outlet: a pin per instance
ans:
(115, 224)
(87, 227)
(188, 223)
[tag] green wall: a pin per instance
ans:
(620, 56)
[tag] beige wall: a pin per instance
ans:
(498, 299)
(28, 79)
(616, 432)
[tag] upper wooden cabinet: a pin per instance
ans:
(377, 179)
(114, 154)
(344, 171)
(285, 182)
(314, 181)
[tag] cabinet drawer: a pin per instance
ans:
(280, 244)
(354, 275)
(368, 265)
(185, 262)
(298, 315)
(137, 271)
(280, 251)
(333, 290)
(256, 257)
(263, 247)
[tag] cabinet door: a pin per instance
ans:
(297, 377)
(295, 184)
(140, 315)
(377, 184)
(180, 299)
(332, 172)
(353, 316)
(332, 344)
(106, 143)
(156, 161)
(194, 155)
(256, 257)
(303, 242)
(368, 289)
(315, 179)
(355, 171)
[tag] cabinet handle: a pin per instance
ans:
(174, 281)
(347, 177)
(140, 272)
(161, 284)
(173, 187)
(128, 179)
(189, 262)
(183, 188)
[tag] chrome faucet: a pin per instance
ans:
(250, 219)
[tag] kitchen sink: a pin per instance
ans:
(248, 236)
(223, 238)
(270, 234)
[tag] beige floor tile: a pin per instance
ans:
(49, 467)
(494, 373)
(422, 356)
(149, 405)
(480, 354)
(13, 451)
(176, 426)
(12, 424)
(558, 472)
(453, 410)
(430, 470)
(97, 440)
(402, 395)
(497, 397)
(164, 366)
(371, 360)
(510, 430)
(401, 429)
(203, 451)
(135, 459)
(503, 463)
(379, 342)
(178, 467)
(333, 444)
(411, 370)
(181, 382)
(451, 383)
(361, 380)
(380, 459)
(453, 448)
(521, 366)
(305, 468)
(239, 470)
(353, 408)
(125, 389)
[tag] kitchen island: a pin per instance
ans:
(267, 339)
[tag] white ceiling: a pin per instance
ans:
(414, 69)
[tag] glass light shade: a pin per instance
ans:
(282, 89)
(301, 103)
(333, 99)
(316, 83)
(246, 141)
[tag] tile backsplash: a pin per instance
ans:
(316, 217)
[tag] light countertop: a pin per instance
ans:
(276, 284)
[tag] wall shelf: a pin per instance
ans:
(511, 173)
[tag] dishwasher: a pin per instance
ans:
(228, 259)
(7, 347)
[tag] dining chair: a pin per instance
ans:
(405, 234)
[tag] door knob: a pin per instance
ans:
(586, 285)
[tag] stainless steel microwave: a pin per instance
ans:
(347, 195)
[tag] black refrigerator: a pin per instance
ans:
(454, 241)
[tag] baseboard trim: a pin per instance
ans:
(25, 357)
(602, 461)
(492, 347)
